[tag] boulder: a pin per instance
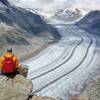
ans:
(17, 88)
(23, 70)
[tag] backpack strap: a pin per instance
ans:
(6, 57)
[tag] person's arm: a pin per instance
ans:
(1, 63)
(16, 62)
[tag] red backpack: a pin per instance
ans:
(9, 65)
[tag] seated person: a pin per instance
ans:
(9, 64)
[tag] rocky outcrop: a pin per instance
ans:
(23, 70)
(92, 91)
(17, 88)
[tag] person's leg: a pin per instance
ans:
(2, 73)
(10, 75)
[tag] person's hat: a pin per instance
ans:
(9, 50)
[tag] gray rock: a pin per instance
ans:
(23, 70)
(92, 91)
(17, 88)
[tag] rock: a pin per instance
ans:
(92, 91)
(43, 98)
(78, 98)
(18, 88)
(23, 70)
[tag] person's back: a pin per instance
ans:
(9, 63)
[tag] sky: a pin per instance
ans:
(88, 4)
(48, 5)
(41, 4)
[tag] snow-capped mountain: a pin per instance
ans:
(69, 14)
(50, 8)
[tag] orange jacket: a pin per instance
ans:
(2, 59)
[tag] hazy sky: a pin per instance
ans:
(52, 4)
(88, 4)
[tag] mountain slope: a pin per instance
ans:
(91, 22)
(22, 29)
(28, 21)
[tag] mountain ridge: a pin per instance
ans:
(5, 2)
(91, 22)
(23, 30)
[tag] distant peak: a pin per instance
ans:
(5, 2)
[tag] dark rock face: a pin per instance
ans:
(91, 23)
(5, 2)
